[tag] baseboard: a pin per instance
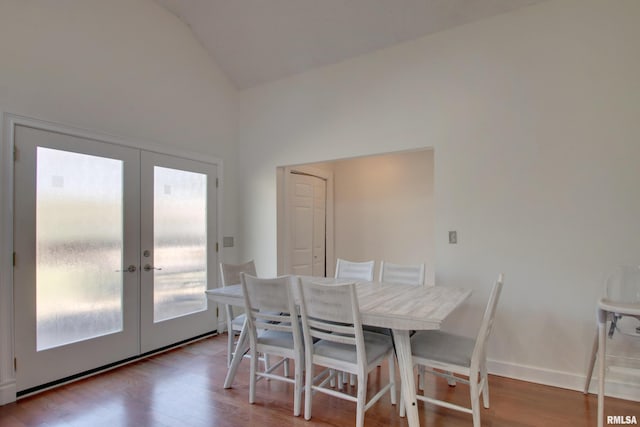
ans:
(616, 385)
(7, 393)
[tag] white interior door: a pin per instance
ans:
(114, 249)
(178, 244)
(76, 298)
(307, 222)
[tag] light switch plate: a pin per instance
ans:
(227, 242)
(453, 237)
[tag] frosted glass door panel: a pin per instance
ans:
(79, 247)
(180, 243)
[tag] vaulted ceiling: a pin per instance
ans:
(257, 41)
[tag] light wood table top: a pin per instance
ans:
(385, 305)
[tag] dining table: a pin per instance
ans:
(398, 307)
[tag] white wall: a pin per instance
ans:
(123, 67)
(383, 209)
(533, 116)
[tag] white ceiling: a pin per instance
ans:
(257, 41)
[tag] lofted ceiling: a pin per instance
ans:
(257, 41)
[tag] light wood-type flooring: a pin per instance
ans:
(183, 387)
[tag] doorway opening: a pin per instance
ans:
(378, 207)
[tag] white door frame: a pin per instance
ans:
(283, 219)
(8, 124)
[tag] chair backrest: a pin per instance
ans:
(623, 285)
(487, 323)
(402, 274)
(622, 297)
(230, 273)
(355, 270)
(331, 312)
(270, 305)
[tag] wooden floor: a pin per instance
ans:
(183, 387)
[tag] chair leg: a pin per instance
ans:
(592, 363)
(403, 410)
(602, 351)
(392, 378)
(475, 399)
(252, 380)
(485, 384)
(421, 378)
(265, 356)
(297, 389)
(286, 368)
(332, 381)
(362, 399)
(308, 382)
(352, 379)
(230, 336)
(450, 380)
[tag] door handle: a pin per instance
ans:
(131, 269)
(148, 267)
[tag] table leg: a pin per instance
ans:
(241, 348)
(602, 340)
(405, 366)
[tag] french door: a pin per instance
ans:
(178, 249)
(114, 249)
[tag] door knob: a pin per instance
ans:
(148, 267)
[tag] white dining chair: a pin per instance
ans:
(331, 317)
(273, 327)
(230, 275)
(354, 270)
(457, 355)
(402, 274)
